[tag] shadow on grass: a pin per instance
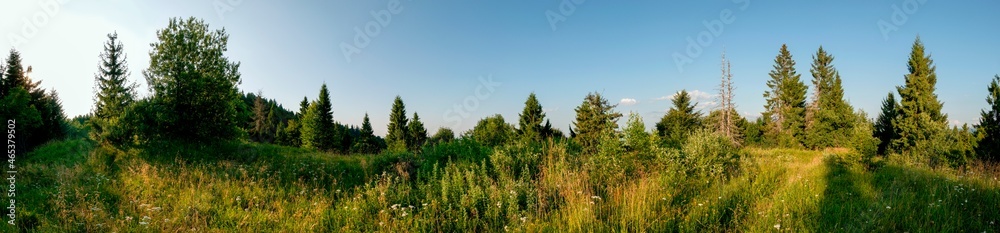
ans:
(903, 199)
(286, 165)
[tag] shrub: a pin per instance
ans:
(708, 154)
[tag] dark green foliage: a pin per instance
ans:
(417, 134)
(290, 134)
(679, 121)
(551, 132)
(38, 114)
(397, 134)
(988, 129)
(884, 130)
(114, 93)
(367, 142)
(786, 103)
(753, 131)
(831, 119)
(492, 131)
(708, 154)
(919, 118)
(318, 129)
(595, 117)
(196, 84)
(530, 120)
(443, 135)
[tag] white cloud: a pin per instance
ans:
(628, 102)
(696, 96)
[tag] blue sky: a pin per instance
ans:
(455, 62)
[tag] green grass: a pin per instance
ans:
(74, 186)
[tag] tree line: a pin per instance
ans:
(194, 98)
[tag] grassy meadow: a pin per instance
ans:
(75, 186)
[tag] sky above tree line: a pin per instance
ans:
(455, 62)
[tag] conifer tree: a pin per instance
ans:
(417, 134)
(679, 122)
(318, 129)
(919, 119)
(113, 91)
(530, 119)
(727, 123)
(595, 117)
(989, 125)
(831, 118)
(884, 131)
(786, 102)
(397, 133)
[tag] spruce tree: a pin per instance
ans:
(679, 122)
(786, 102)
(884, 130)
(595, 118)
(417, 134)
(397, 132)
(113, 91)
(830, 118)
(318, 129)
(919, 119)
(530, 119)
(261, 124)
(38, 113)
(989, 125)
(366, 142)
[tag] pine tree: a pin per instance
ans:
(530, 121)
(113, 91)
(831, 118)
(397, 133)
(595, 117)
(318, 129)
(989, 125)
(884, 130)
(919, 118)
(417, 134)
(38, 113)
(303, 107)
(786, 102)
(366, 142)
(679, 122)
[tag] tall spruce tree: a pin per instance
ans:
(397, 133)
(417, 134)
(919, 119)
(595, 118)
(366, 141)
(679, 122)
(831, 118)
(884, 130)
(530, 119)
(786, 102)
(318, 129)
(989, 125)
(114, 93)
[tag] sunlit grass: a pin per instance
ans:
(74, 186)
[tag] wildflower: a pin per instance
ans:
(128, 218)
(498, 204)
(143, 223)
(887, 207)
(595, 198)
(156, 208)
(404, 213)
(699, 204)
(777, 226)
(526, 219)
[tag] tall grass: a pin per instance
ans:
(462, 186)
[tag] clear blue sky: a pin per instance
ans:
(433, 53)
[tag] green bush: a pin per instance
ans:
(707, 154)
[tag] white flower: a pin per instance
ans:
(887, 207)
(777, 226)
(595, 197)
